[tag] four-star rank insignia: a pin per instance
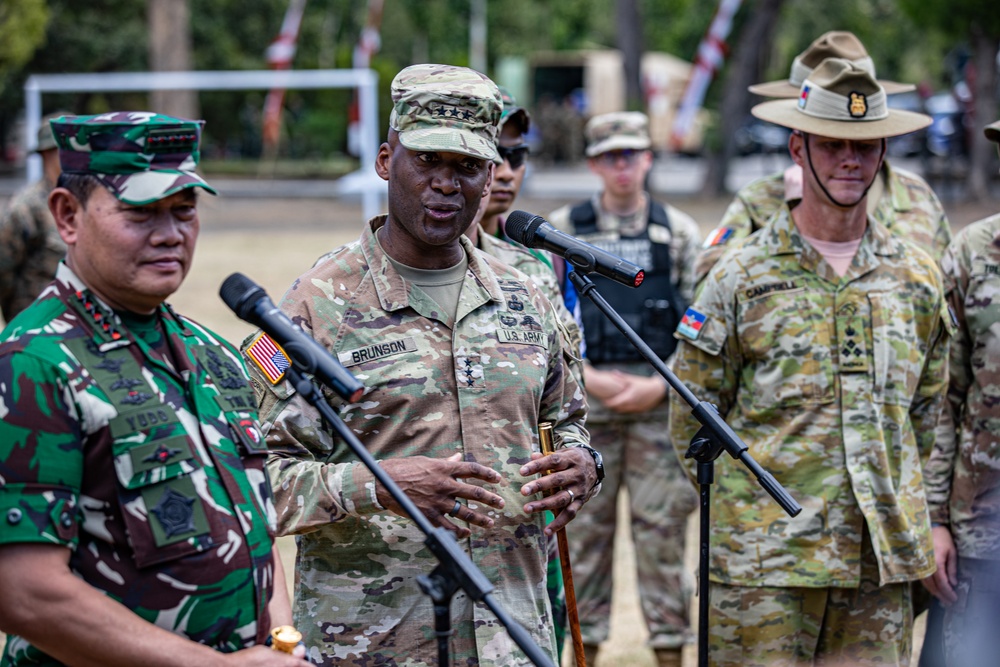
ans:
(858, 105)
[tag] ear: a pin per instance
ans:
(489, 180)
(797, 148)
(382, 160)
(67, 211)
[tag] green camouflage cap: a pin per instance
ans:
(140, 156)
(992, 131)
(512, 112)
(444, 108)
(620, 130)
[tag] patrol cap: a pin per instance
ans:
(992, 131)
(615, 131)
(833, 44)
(45, 141)
(513, 113)
(140, 156)
(844, 101)
(446, 109)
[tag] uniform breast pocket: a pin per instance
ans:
(898, 352)
(786, 339)
(158, 494)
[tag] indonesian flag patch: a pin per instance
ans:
(269, 357)
(691, 324)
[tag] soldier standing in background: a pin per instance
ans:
(462, 359)
(137, 517)
(963, 474)
(627, 412)
(823, 340)
(899, 200)
(30, 246)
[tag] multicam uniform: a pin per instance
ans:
(479, 386)
(835, 383)
(908, 207)
(963, 474)
(30, 249)
(138, 449)
(637, 456)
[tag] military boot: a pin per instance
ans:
(668, 657)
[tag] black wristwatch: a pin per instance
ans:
(598, 462)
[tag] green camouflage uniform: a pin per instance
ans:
(30, 248)
(138, 450)
(963, 474)
(908, 207)
(638, 457)
(835, 383)
(478, 386)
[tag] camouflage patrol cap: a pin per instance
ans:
(833, 44)
(513, 113)
(842, 101)
(992, 131)
(45, 141)
(615, 131)
(139, 156)
(444, 108)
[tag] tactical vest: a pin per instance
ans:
(653, 310)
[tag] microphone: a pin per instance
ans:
(250, 303)
(533, 231)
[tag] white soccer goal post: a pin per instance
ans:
(365, 81)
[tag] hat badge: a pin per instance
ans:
(858, 105)
(803, 96)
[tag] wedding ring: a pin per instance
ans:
(571, 496)
(456, 508)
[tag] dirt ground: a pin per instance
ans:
(274, 240)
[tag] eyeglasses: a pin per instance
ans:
(516, 155)
(611, 158)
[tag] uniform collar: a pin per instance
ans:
(899, 195)
(393, 291)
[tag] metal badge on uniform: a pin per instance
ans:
(691, 324)
(269, 357)
(718, 237)
(377, 351)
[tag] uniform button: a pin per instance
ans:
(14, 516)
(66, 520)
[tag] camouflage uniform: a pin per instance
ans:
(478, 386)
(137, 448)
(908, 207)
(638, 457)
(962, 478)
(835, 384)
(30, 249)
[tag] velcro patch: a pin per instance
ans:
(719, 236)
(522, 336)
(691, 324)
(377, 351)
(269, 357)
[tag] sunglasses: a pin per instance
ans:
(515, 155)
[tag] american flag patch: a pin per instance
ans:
(719, 236)
(269, 357)
(691, 324)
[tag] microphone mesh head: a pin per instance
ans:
(520, 226)
(235, 291)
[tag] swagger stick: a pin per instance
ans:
(545, 440)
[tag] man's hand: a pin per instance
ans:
(571, 469)
(942, 583)
(434, 485)
(261, 656)
(639, 394)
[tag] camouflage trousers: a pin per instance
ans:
(833, 627)
(972, 624)
(638, 457)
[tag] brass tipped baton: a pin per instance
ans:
(545, 440)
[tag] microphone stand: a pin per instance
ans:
(455, 569)
(714, 436)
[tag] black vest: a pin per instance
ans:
(653, 310)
